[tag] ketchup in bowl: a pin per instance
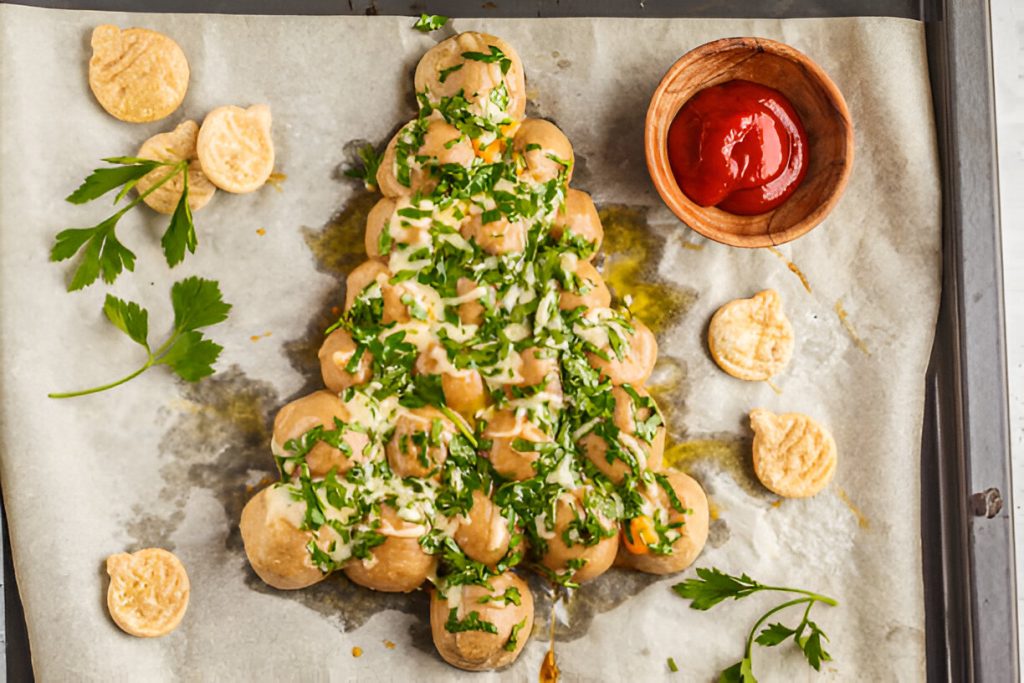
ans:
(739, 146)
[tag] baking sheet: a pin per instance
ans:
(161, 463)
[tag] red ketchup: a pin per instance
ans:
(739, 146)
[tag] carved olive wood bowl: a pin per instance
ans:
(816, 99)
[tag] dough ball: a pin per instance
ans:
(320, 409)
(545, 151)
(596, 554)
(276, 547)
(419, 445)
(502, 430)
(579, 217)
(445, 70)
(592, 291)
(630, 415)
(483, 532)
(398, 565)
(693, 532)
(504, 626)
(335, 354)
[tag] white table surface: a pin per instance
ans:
(1008, 53)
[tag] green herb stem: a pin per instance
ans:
(766, 615)
(104, 387)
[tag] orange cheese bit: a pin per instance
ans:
(640, 536)
(357, 651)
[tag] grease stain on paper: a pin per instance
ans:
(844, 320)
(862, 521)
(632, 251)
(793, 268)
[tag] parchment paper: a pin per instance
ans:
(160, 462)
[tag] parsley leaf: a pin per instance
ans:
(471, 622)
(103, 180)
(181, 233)
(102, 254)
(129, 317)
(713, 586)
(430, 22)
(495, 55)
(197, 303)
(367, 169)
(773, 635)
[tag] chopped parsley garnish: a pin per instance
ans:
(471, 622)
(430, 22)
(366, 169)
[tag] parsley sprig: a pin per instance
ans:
(430, 22)
(367, 169)
(102, 253)
(197, 303)
(713, 586)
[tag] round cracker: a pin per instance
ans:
(137, 75)
(235, 147)
(794, 455)
(174, 146)
(148, 592)
(751, 339)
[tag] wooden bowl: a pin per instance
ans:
(816, 99)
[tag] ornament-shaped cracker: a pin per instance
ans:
(175, 146)
(136, 74)
(148, 592)
(751, 338)
(235, 148)
(794, 456)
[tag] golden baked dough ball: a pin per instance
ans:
(544, 149)
(628, 414)
(693, 532)
(578, 216)
(483, 532)
(174, 146)
(320, 409)
(419, 445)
(378, 218)
(335, 354)
(540, 366)
(235, 147)
(367, 273)
(442, 144)
(593, 292)
(596, 557)
(136, 74)
(751, 339)
(471, 312)
(497, 237)
(638, 356)
(444, 71)
(794, 455)
(398, 565)
(508, 624)
(464, 390)
(274, 544)
(148, 592)
(502, 430)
